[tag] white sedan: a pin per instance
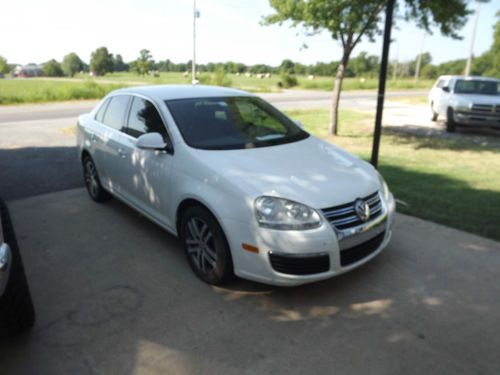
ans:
(245, 188)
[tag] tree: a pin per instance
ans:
(52, 69)
(72, 64)
(119, 65)
(144, 63)
(350, 21)
(4, 67)
(101, 62)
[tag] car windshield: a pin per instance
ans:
(229, 123)
(477, 87)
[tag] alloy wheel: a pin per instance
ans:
(200, 245)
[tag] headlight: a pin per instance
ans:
(278, 213)
(384, 187)
(463, 107)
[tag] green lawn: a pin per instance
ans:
(35, 90)
(455, 182)
(38, 90)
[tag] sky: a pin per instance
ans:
(37, 31)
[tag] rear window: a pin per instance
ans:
(115, 113)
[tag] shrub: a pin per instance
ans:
(287, 80)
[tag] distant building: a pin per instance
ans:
(30, 70)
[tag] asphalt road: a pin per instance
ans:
(37, 145)
(114, 295)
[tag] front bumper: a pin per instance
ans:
(477, 119)
(278, 249)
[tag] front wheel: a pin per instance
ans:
(206, 247)
(92, 181)
(450, 121)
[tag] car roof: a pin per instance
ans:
(467, 78)
(172, 92)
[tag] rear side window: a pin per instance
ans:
(100, 113)
(116, 111)
(144, 118)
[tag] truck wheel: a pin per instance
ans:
(434, 114)
(450, 121)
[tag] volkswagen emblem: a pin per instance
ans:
(362, 209)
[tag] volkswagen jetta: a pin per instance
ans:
(245, 188)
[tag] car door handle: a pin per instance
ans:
(122, 153)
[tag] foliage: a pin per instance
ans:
(101, 62)
(52, 69)
(220, 78)
(119, 65)
(144, 63)
(287, 80)
(4, 67)
(72, 64)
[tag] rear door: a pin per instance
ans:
(111, 142)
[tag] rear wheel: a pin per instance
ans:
(92, 181)
(450, 121)
(434, 114)
(206, 246)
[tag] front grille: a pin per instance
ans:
(358, 252)
(485, 110)
(300, 265)
(344, 216)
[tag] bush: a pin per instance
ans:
(220, 78)
(287, 80)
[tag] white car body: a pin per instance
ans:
(228, 182)
(465, 109)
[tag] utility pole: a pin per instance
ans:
(196, 15)
(419, 60)
(476, 20)
(382, 79)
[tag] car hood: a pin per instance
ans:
(311, 171)
(479, 99)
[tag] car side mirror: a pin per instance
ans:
(299, 124)
(151, 141)
(446, 89)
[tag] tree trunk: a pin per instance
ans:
(337, 88)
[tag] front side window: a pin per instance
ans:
(482, 87)
(232, 123)
(116, 111)
(144, 118)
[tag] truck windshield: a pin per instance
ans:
(228, 123)
(477, 87)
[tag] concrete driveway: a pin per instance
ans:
(114, 295)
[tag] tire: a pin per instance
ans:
(434, 114)
(206, 247)
(92, 181)
(450, 122)
(16, 306)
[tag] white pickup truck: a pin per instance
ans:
(466, 101)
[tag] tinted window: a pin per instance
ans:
(144, 118)
(100, 113)
(115, 113)
(232, 123)
(476, 87)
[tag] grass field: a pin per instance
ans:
(36, 90)
(454, 182)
